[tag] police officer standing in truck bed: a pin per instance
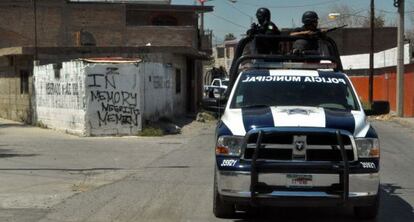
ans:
(309, 30)
(265, 26)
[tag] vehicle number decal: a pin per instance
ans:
(368, 165)
(228, 163)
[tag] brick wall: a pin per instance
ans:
(58, 22)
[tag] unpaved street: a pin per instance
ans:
(50, 176)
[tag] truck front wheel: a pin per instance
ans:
(221, 208)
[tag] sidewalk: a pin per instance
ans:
(406, 121)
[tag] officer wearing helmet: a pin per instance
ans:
(310, 25)
(265, 26)
(310, 31)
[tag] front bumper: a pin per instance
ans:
(234, 186)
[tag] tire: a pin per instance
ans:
(221, 209)
(368, 212)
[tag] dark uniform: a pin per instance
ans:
(265, 26)
(310, 31)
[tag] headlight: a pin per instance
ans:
(229, 145)
(367, 147)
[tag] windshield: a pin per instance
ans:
(327, 91)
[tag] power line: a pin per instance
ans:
(228, 20)
(391, 12)
(234, 7)
(293, 6)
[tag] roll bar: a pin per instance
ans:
(239, 57)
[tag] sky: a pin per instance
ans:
(236, 17)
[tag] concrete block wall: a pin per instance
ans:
(59, 96)
(97, 99)
(14, 104)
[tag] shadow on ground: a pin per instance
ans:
(7, 125)
(8, 153)
(392, 209)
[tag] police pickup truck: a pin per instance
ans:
(294, 133)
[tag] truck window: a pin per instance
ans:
(327, 92)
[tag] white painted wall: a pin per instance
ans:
(382, 59)
(60, 102)
(161, 98)
(97, 99)
(113, 99)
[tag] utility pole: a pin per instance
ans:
(35, 28)
(202, 18)
(400, 58)
(371, 55)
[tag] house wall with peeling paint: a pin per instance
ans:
(113, 95)
(59, 96)
(98, 99)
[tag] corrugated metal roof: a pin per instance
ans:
(127, 1)
(112, 60)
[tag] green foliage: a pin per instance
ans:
(229, 36)
(151, 131)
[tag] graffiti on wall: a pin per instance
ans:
(115, 103)
(60, 95)
(56, 88)
(160, 83)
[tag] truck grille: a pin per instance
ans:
(271, 154)
(327, 155)
(317, 147)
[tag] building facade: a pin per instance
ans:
(58, 31)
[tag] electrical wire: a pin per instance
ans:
(234, 7)
(228, 20)
(291, 6)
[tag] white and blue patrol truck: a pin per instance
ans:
(294, 133)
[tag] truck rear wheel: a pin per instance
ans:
(368, 212)
(221, 208)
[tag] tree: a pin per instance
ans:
(346, 16)
(379, 21)
(229, 36)
(351, 17)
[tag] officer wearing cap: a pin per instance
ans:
(265, 26)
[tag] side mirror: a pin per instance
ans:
(378, 108)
